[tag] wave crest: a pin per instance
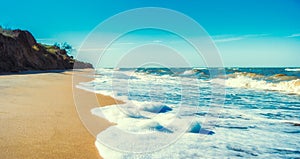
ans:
(291, 87)
(292, 69)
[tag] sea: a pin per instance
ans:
(199, 112)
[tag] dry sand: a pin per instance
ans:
(38, 118)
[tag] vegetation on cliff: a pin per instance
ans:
(19, 51)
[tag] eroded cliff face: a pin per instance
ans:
(19, 51)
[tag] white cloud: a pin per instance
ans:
(124, 43)
(156, 41)
(255, 35)
(294, 35)
(228, 38)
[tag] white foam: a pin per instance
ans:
(157, 108)
(292, 69)
(199, 68)
(134, 113)
(292, 86)
(135, 117)
(188, 72)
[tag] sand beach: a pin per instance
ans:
(38, 118)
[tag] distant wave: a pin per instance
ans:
(292, 69)
(253, 82)
(199, 68)
(189, 72)
(275, 77)
(246, 74)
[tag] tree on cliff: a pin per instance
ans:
(65, 46)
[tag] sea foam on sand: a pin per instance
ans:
(145, 127)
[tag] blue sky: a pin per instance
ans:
(247, 33)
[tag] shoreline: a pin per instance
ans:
(39, 117)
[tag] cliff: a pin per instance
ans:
(19, 51)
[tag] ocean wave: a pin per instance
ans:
(274, 77)
(293, 69)
(246, 74)
(153, 126)
(281, 77)
(251, 82)
(153, 106)
(157, 108)
(199, 68)
(189, 72)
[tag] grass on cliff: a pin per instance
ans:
(6, 32)
(50, 48)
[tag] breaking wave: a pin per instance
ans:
(293, 69)
(161, 103)
(277, 82)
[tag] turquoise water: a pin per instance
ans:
(190, 113)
